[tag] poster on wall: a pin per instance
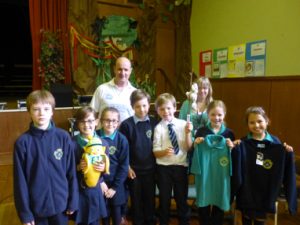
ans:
(236, 60)
(255, 58)
(205, 63)
(219, 67)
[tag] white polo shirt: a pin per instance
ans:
(108, 94)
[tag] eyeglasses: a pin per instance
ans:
(89, 122)
(108, 121)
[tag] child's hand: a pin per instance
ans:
(69, 212)
(188, 127)
(237, 142)
(287, 147)
(131, 173)
(199, 140)
(104, 187)
(82, 165)
(110, 193)
(169, 151)
(229, 143)
(30, 223)
(99, 166)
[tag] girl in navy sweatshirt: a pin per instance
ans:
(91, 199)
(261, 164)
(113, 187)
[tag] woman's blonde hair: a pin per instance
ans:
(204, 82)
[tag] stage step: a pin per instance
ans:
(16, 81)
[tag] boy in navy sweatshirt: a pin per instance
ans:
(139, 130)
(45, 184)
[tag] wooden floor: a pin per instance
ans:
(8, 217)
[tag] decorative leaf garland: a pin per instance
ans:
(51, 67)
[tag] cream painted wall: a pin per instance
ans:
(221, 23)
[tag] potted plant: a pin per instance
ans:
(51, 67)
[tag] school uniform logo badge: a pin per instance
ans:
(268, 164)
(149, 133)
(223, 161)
(112, 150)
(58, 153)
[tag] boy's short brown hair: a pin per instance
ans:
(137, 95)
(37, 96)
(163, 99)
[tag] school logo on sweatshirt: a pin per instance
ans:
(224, 161)
(149, 134)
(268, 164)
(58, 153)
(112, 150)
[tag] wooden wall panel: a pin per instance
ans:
(6, 182)
(15, 122)
(277, 95)
(12, 124)
(165, 59)
(238, 95)
(285, 113)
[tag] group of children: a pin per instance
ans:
(144, 152)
